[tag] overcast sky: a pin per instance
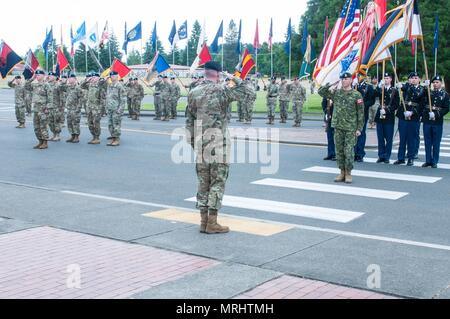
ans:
(24, 26)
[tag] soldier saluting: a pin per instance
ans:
(433, 121)
(347, 121)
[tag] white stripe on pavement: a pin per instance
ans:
(416, 164)
(442, 143)
(443, 148)
(423, 153)
(381, 175)
(327, 188)
(329, 214)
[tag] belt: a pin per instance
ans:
(412, 104)
(272, 96)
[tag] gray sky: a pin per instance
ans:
(21, 35)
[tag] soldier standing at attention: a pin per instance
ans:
(298, 93)
(368, 94)
(207, 108)
(62, 100)
(28, 104)
(116, 100)
(248, 101)
(166, 90)
(272, 95)
(347, 121)
(128, 88)
(157, 97)
(40, 101)
(55, 100)
(75, 95)
(385, 118)
(19, 99)
(136, 93)
(284, 92)
(433, 122)
(95, 86)
(175, 96)
(415, 97)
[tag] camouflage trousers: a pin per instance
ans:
(166, 107)
(20, 113)
(240, 110)
(211, 184)
(40, 123)
(284, 110)
(94, 118)
(157, 103)
(345, 142)
(130, 106)
(229, 112)
(62, 117)
(136, 106)
(114, 123)
(73, 121)
(54, 121)
(28, 105)
(271, 105)
(173, 107)
(248, 110)
(297, 108)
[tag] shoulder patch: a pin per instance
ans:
(360, 101)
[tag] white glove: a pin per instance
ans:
(382, 111)
(432, 116)
(408, 114)
(426, 82)
(399, 86)
(381, 83)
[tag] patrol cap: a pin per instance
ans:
(52, 73)
(283, 78)
(213, 65)
(64, 76)
(437, 78)
(95, 74)
(18, 77)
(413, 74)
(172, 78)
(39, 72)
(165, 76)
(346, 75)
(73, 75)
(273, 78)
(113, 73)
(201, 77)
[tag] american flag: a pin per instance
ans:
(343, 35)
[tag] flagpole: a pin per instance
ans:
(271, 61)
(142, 54)
(426, 73)
(222, 54)
(415, 56)
(187, 53)
(109, 51)
(435, 61)
(395, 56)
(256, 65)
(290, 55)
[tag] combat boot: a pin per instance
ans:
(70, 140)
(203, 220)
(44, 145)
(110, 138)
(341, 177)
(348, 177)
(92, 141)
(96, 140)
(38, 145)
(296, 125)
(56, 138)
(213, 227)
(21, 125)
(116, 142)
(165, 119)
(76, 139)
(112, 141)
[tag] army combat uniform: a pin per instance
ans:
(348, 117)
(298, 95)
(166, 90)
(284, 91)
(248, 101)
(54, 120)
(94, 107)
(19, 99)
(75, 95)
(272, 95)
(175, 96)
(157, 98)
(116, 100)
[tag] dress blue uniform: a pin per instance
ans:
(369, 96)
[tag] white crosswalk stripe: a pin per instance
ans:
(442, 143)
(329, 214)
(380, 175)
(443, 148)
(416, 163)
(328, 188)
(441, 154)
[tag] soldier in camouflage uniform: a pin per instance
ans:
(28, 100)
(207, 108)
(135, 94)
(116, 100)
(229, 110)
(248, 101)
(94, 106)
(347, 121)
(272, 95)
(157, 97)
(19, 99)
(53, 106)
(298, 94)
(284, 91)
(74, 102)
(84, 97)
(127, 88)
(62, 100)
(166, 90)
(175, 97)
(40, 101)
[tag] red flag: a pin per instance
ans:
(256, 44)
(245, 65)
(61, 60)
(413, 46)
(120, 68)
(204, 55)
(381, 11)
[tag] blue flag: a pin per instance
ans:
(133, 35)
(48, 40)
(80, 34)
(305, 37)
(161, 65)
(238, 47)
(287, 45)
(173, 33)
(436, 34)
(154, 38)
(214, 48)
(182, 31)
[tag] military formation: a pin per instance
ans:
(348, 111)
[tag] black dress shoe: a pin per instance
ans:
(399, 162)
(410, 162)
(386, 161)
(333, 158)
(328, 158)
(434, 166)
(426, 165)
(360, 160)
(380, 160)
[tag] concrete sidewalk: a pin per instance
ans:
(49, 263)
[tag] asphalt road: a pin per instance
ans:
(397, 218)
